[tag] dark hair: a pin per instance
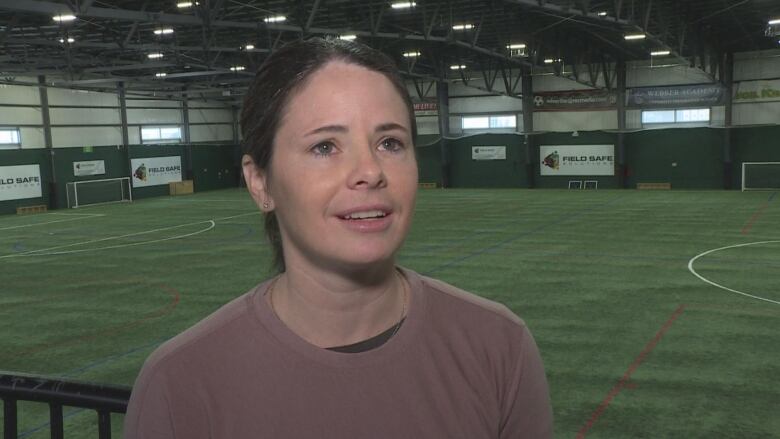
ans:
(281, 74)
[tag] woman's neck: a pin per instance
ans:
(332, 309)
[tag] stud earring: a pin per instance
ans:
(266, 205)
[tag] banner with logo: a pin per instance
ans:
(155, 171)
(757, 91)
(575, 100)
(91, 167)
(426, 108)
(488, 152)
(577, 160)
(676, 96)
(20, 182)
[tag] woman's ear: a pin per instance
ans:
(257, 183)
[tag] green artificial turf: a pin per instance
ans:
(635, 346)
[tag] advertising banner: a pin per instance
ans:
(155, 171)
(488, 152)
(676, 96)
(757, 91)
(91, 167)
(427, 108)
(20, 182)
(575, 100)
(577, 160)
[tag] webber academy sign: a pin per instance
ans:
(20, 182)
(577, 160)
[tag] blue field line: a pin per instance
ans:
(771, 197)
(40, 427)
(562, 218)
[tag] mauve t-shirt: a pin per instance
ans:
(460, 366)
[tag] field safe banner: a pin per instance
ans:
(20, 182)
(577, 160)
(155, 171)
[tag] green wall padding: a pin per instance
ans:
(753, 144)
(429, 163)
(466, 172)
(583, 138)
(215, 167)
(115, 158)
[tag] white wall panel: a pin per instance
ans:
(718, 116)
(61, 96)
(633, 119)
(32, 138)
(86, 136)
(154, 116)
(575, 120)
(548, 82)
(210, 116)
(158, 103)
(211, 133)
(18, 94)
(757, 113)
(644, 76)
(20, 116)
(134, 135)
(757, 65)
(427, 124)
(486, 104)
(75, 116)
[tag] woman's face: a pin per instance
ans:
(343, 175)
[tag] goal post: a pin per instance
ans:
(92, 192)
(760, 176)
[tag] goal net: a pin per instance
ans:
(91, 192)
(760, 176)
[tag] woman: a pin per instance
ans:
(342, 343)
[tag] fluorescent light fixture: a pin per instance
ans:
(183, 5)
(602, 13)
(549, 60)
(660, 53)
(275, 19)
(237, 68)
(154, 55)
(411, 54)
(635, 36)
(403, 5)
(457, 67)
(160, 75)
(348, 37)
(163, 31)
(774, 21)
(249, 47)
(463, 27)
(68, 40)
(516, 46)
(64, 18)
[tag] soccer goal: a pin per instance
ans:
(760, 176)
(91, 192)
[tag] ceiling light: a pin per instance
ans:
(237, 68)
(349, 37)
(411, 54)
(602, 13)
(403, 5)
(183, 5)
(154, 55)
(516, 46)
(463, 27)
(68, 40)
(774, 21)
(249, 47)
(660, 53)
(64, 17)
(549, 61)
(160, 75)
(457, 67)
(163, 31)
(635, 36)
(275, 19)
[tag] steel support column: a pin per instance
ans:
(528, 127)
(443, 98)
(185, 118)
(622, 170)
(728, 84)
(43, 92)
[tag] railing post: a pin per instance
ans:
(55, 421)
(9, 418)
(104, 424)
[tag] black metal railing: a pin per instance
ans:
(59, 393)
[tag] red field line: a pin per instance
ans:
(756, 216)
(163, 311)
(624, 381)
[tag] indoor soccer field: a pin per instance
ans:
(657, 313)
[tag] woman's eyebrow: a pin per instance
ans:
(328, 129)
(390, 126)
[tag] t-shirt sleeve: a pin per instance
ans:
(526, 410)
(148, 412)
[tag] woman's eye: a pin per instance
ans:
(391, 145)
(324, 148)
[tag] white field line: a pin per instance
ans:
(254, 212)
(48, 250)
(81, 216)
(690, 268)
